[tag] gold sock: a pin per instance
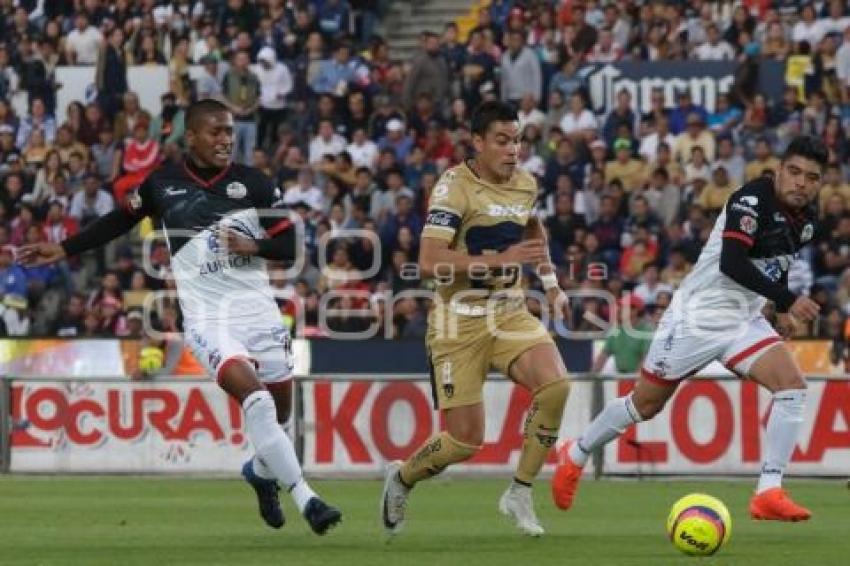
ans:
(434, 456)
(541, 428)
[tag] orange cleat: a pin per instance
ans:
(566, 478)
(775, 505)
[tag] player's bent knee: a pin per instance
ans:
(467, 433)
(553, 396)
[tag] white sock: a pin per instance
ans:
(302, 493)
(608, 425)
(271, 444)
(786, 416)
(261, 469)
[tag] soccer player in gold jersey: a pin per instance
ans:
(479, 231)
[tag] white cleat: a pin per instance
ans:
(393, 500)
(517, 503)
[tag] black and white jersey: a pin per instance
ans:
(773, 235)
(212, 284)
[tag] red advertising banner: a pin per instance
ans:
(718, 427)
(74, 426)
(356, 427)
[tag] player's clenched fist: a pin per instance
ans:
(804, 309)
(43, 253)
(527, 251)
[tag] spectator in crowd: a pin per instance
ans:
(241, 91)
(38, 119)
(627, 341)
(208, 84)
(578, 122)
(520, 70)
(14, 315)
(70, 322)
(111, 73)
(764, 162)
(359, 138)
(429, 73)
(335, 75)
(90, 203)
(130, 113)
(396, 140)
(326, 142)
(275, 86)
(630, 171)
(11, 274)
(168, 127)
(84, 42)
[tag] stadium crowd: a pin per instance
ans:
(357, 139)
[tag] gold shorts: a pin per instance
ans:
(463, 349)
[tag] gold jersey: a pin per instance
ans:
(479, 217)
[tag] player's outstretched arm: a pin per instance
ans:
(100, 232)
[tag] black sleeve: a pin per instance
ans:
(281, 247)
(743, 211)
(101, 231)
(280, 242)
(735, 263)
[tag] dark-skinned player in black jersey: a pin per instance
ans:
(221, 223)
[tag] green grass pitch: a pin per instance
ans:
(155, 521)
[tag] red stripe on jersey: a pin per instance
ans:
(734, 360)
(738, 236)
(206, 184)
(281, 226)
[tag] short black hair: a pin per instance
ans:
(201, 108)
(489, 112)
(808, 147)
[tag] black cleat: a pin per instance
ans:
(321, 516)
(267, 497)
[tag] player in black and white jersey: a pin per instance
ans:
(221, 223)
(716, 314)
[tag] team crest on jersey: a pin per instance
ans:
(237, 190)
(749, 225)
(807, 233)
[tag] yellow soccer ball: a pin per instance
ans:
(150, 359)
(699, 524)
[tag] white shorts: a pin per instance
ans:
(677, 352)
(265, 343)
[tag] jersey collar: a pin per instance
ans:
(197, 175)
